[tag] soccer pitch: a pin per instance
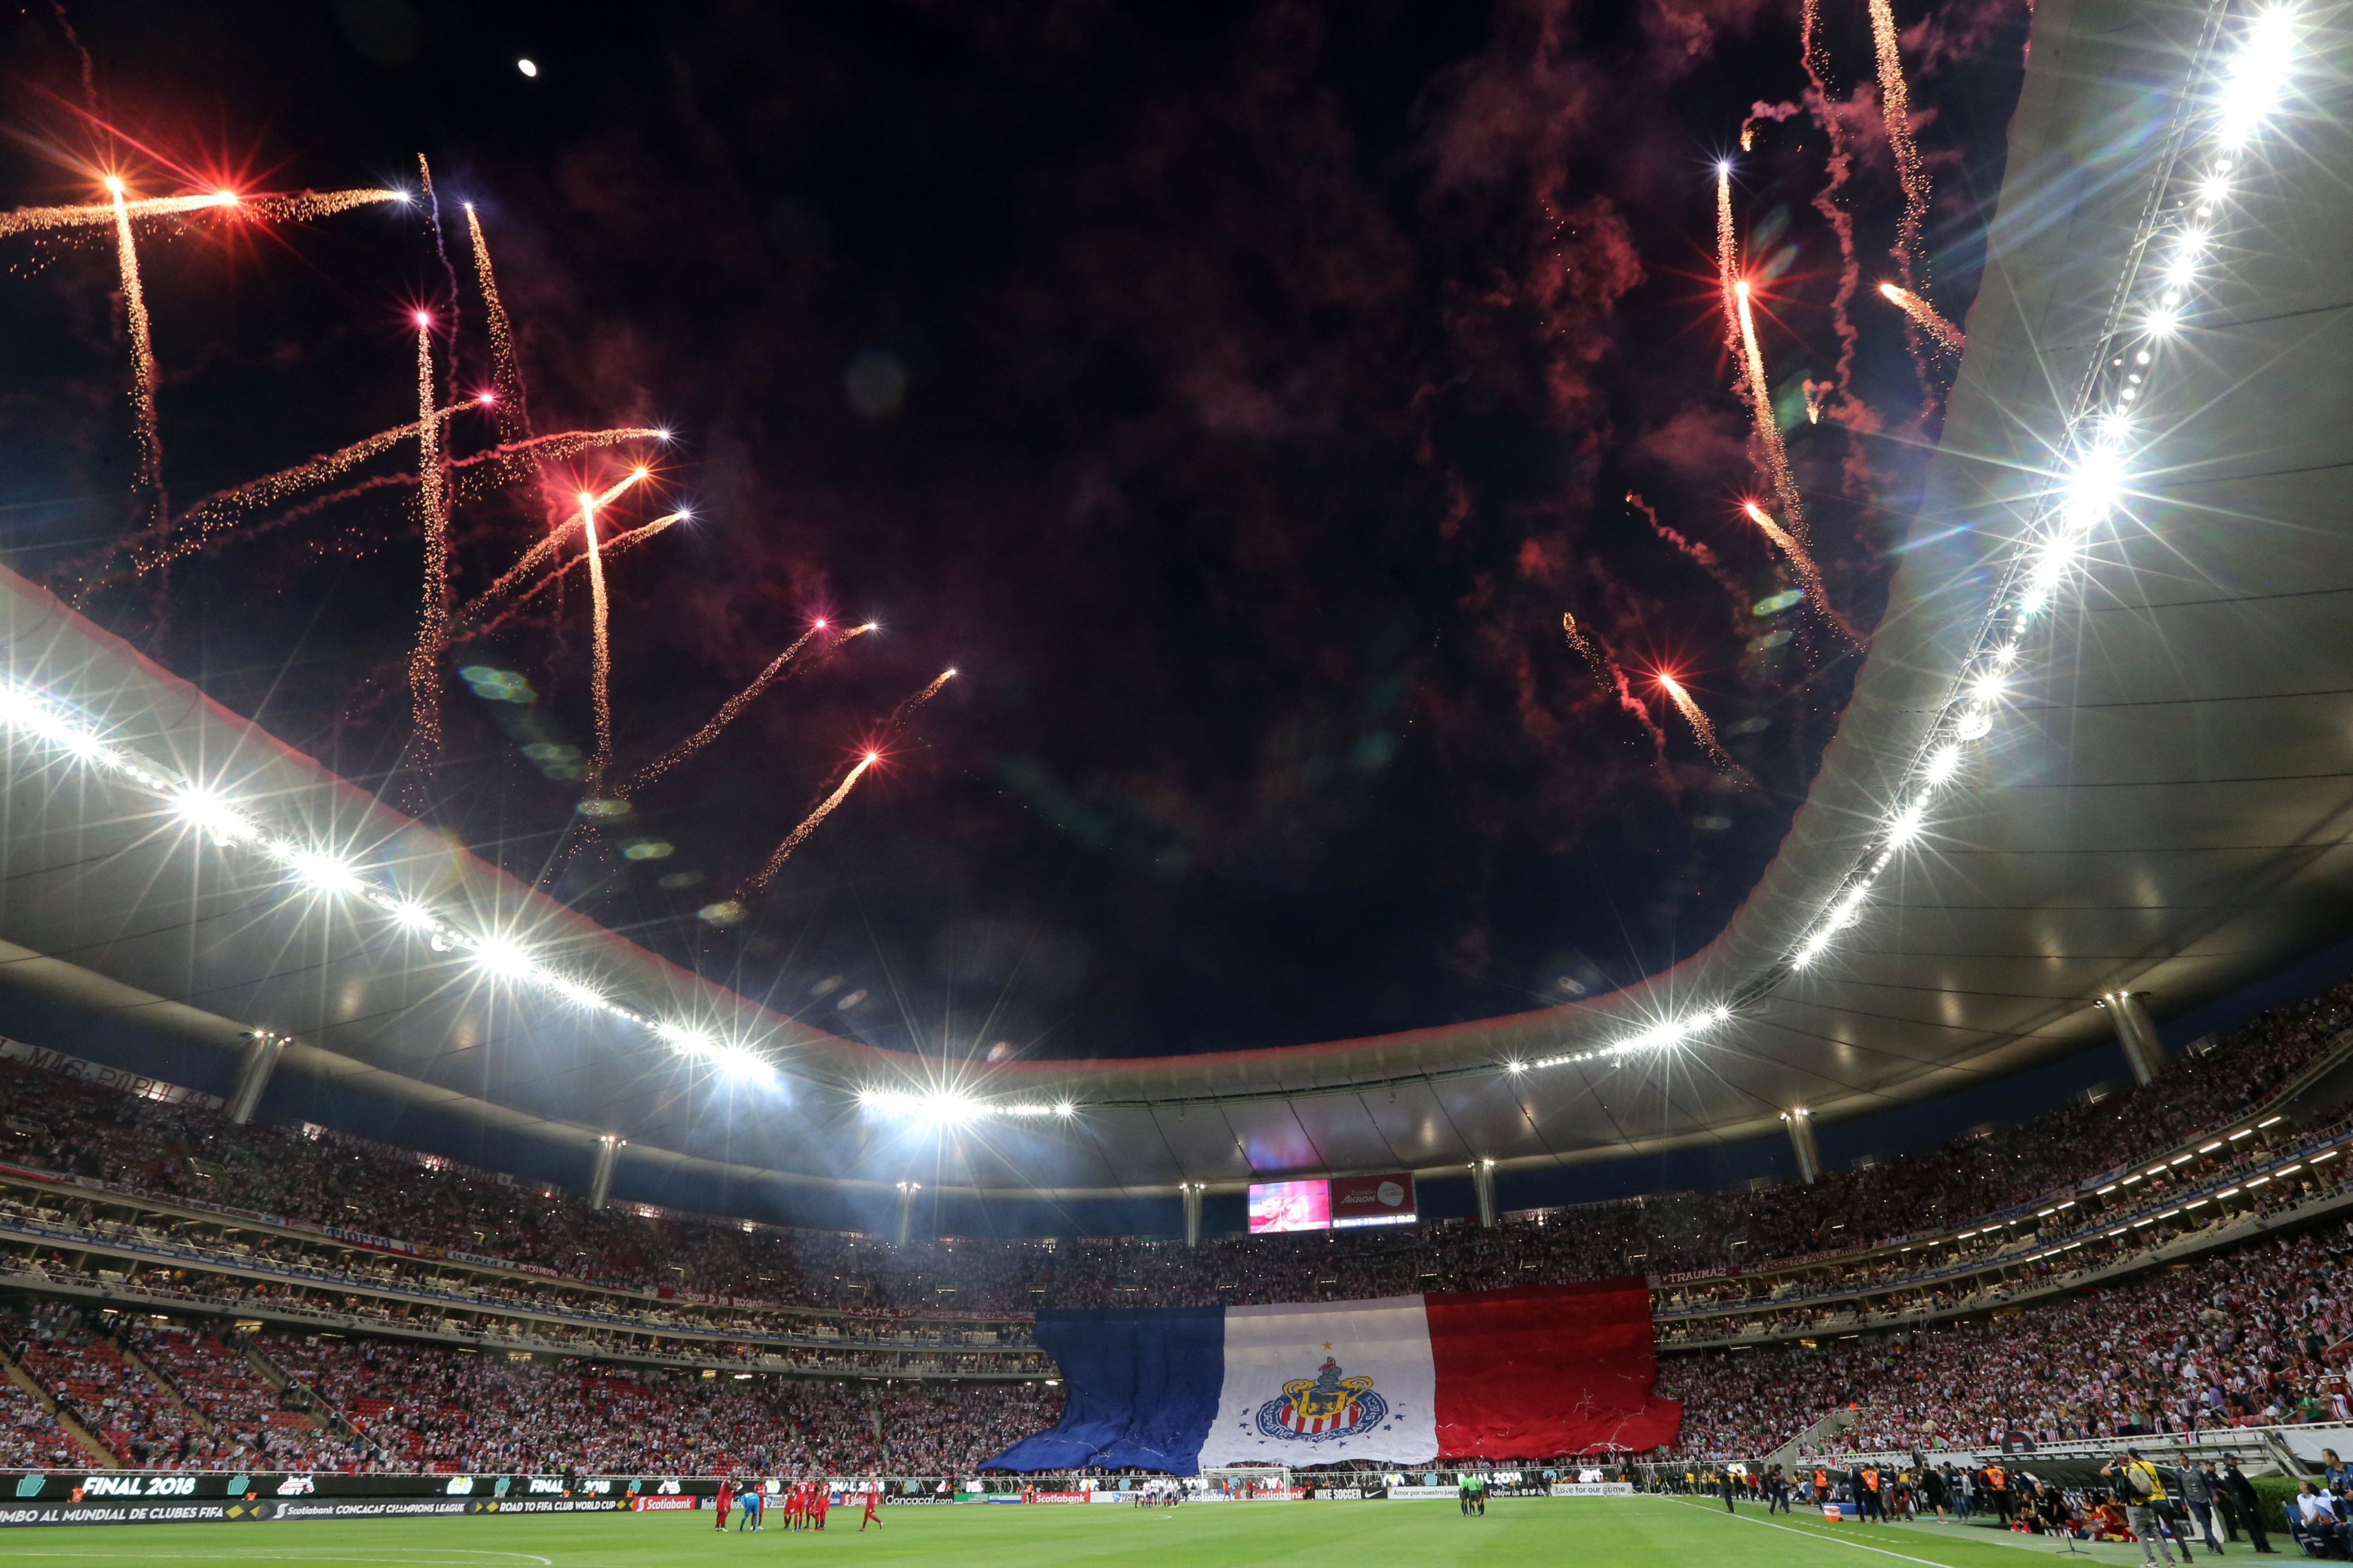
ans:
(1632, 1532)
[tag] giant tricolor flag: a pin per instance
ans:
(1497, 1374)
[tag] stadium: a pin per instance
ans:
(423, 1135)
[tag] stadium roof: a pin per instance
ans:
(2150, 792)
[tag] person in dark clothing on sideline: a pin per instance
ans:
(2195, 1486)
(2244, 1503)
(1727, 1485)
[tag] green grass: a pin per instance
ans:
(1640, 1532)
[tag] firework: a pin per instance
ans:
(506, 373)
(1697, 718)
(1727, 257)
(600, 644)
(906, 710)
(467, 619)
(1816, 393)
(1768, 429)
(1597, 653)
(433, 516)
(142, 356)
(27, 220)
(800, 835)
(736, 705)
(297, 207)
(1810, 576)
(193, 528)
(1920, 311)
(1811, 45)
(1896, 106)
(1699, 554)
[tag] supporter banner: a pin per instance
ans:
(1593, 1488)
(1424, 1494)
(105, 1077)
(1556, 1369)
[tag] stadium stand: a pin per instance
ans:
(540, 1333)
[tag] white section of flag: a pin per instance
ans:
(1386, 1342)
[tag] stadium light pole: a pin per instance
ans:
(1192, 1192)
(1800, 1123)
(600, 1176)
(2135, 1034)
(262, 1050)
(1482, 1185)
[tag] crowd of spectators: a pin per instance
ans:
(430, 1407)
(315, 1177)
(2253, 1335)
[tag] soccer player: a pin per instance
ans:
(821, 1500)
(873, 1497)
(752, 1501)
(727, 1495)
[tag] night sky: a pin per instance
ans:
(1238, 397)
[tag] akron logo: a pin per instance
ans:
(1320, 1408)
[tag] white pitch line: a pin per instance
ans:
(1819, 1535)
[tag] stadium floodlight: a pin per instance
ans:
(210, 812)
(2258, 76)
(1907, 823)
(738, 1061)
(1064, 1108)
(1944, 763)
(323, 872)
(505, 959)
(685, 1041)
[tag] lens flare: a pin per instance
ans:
(1696, 719)
(809, 824)
(1769, 430)
(1920, 311)
(1896, 106)
(142, 359)
(735, 705)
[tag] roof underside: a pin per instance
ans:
(2161, 807)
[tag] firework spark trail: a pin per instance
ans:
(301, 206)
(506, 372)
(297, 207)
(441, 249)
(1727, 257)
(27, 220)
(735, 705)
(1612, 677)
(142, 357)
(476, 474)
(800, 835)
(1817, 54)
(1699, 554)
(463, 620)
(600, 642)
(1895, 108)
(600, 630)
(1920, 311)
(169, 541)
(1698, 721)
(1768, 429)
(1810, 576)
(433, 518)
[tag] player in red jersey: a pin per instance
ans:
(726, 1497)
(794, 1502)
(821, 1499)
(873, 1499)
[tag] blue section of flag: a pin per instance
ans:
(1140, 1390)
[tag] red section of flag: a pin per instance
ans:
(1546, 1371)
